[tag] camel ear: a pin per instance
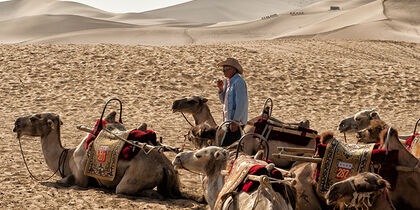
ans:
(374, 115)
(382, 183)
(204, 100)
(221, 154)
(50, 124)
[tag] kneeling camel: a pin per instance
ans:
(142, 172)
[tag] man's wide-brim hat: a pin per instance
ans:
(232, 62)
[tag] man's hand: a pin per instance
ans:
(219, 84)
(233, 127)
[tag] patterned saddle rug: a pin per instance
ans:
(341, 161)
(104, 152)
(238, 172)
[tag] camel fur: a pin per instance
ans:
(142, 172)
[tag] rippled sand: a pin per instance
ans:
(322, 81)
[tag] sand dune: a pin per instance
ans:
(322, 81)
(33, 27)
(205, 21)
(21, 8)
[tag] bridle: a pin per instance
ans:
(60, 168)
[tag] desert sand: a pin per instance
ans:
(321, 65)
(322, 81)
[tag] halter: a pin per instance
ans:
(60, 168)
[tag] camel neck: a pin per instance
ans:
(204, 115)
(215, 184)
(52, 149)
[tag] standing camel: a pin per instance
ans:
(142, 172)
(204, 130)
(211, 161)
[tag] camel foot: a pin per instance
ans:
(66, 181)
(152, 194)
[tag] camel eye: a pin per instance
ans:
(198, 156)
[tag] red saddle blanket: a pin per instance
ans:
(128, 151)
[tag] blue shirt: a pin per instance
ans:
(237, 99)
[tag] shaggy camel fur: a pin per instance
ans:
(363, 191)
(142, 172)
(211, 161)
(404, 196)
(204, 132)
(372, 133)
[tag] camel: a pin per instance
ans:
(403, 196)
(141, 173)
(210, 161)
(204, 131)
(360, 121)
(365, 190)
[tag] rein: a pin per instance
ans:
(60, 167)
(187, 119)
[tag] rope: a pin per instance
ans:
(58, 168)
(187, 119)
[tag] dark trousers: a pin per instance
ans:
(230, 136)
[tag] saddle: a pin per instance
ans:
(103, 153)
(295, 133)
(340, 161)
(239, 169)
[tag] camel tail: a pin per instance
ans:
(170, 184)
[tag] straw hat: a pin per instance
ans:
(232, 62)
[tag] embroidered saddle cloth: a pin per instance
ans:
(103, 154)
(237, 174)
(341, 161)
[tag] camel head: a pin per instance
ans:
(203, 161)
(189, 105)
(371, 133)
(366, 183)
(37, 124)
(359, 121)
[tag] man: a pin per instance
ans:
(234, 97)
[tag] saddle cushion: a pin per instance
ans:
(128, 151)
(250, 186)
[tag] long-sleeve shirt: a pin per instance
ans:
(237, 99)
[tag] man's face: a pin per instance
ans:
(229, 71)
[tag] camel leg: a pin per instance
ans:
(67, 181)
(133, 182)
